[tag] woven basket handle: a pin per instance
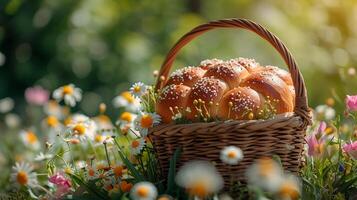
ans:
(301, 103)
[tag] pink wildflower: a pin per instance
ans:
(322, 127)
(351, 103)
(62, 183)
(36, 95)
(315, 145)
(351, 149)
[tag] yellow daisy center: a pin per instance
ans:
(199, 189)
(146, 121)
(31, 137)
(67, 121)
(68, 170)
(118, 171)
(126, 116)
(125, 187)
(232, 154)
(137, 89)
(52, 121)
(328, 130)
(67, 89)
(91, 172)
(143, 191)
(127, 96)
(135, 144)
(79, 129)
(22, 178)
(266, 167)
(98, 138)
(289, 190)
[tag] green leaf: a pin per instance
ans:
(134, 172)
(172, 172)
(344, 187)
(90, 188)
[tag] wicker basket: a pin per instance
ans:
(283, 135)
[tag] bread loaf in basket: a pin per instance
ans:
(238, 89)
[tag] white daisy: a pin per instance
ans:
(143, 191)
(69, 93)
(126, 118)
(325, 112)
(12, 120)
(127, 100)
(200, 178)
(111, 184)
(92, 173)
(52, 108)
(145, 121)
(52, 126)
(127, 129)
(105, 135)
(76, 118)
(68, 169)
(30, 139)
(51, 122)
(137, 145)
(289, 188)
(138, 89)
(43, 156)
(23, 175)
(6, 105)
(103, 122)
(266, 174)
(83, 129)
(117, 170)
(231, 155)
(80, 164)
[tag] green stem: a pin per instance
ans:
(106, 153)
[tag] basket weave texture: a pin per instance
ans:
(283, 135)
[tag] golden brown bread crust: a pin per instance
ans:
(172, 99)
(234, 89)
(272, 88)
(284, 75)
(186, 76)
(248, 64)
(231, 74)
(240, 103)
(204, 96)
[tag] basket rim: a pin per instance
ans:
(292, 119)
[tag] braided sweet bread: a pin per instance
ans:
(238, 89)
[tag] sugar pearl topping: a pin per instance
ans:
(173, 92)
(243, 102)
(186, 74)
(264, 77)
(247, 63)
(210, 62)
(226, 70)
(207, 87)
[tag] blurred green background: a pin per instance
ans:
(103, 46)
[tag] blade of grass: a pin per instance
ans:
(134, 172)
(172, 172)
